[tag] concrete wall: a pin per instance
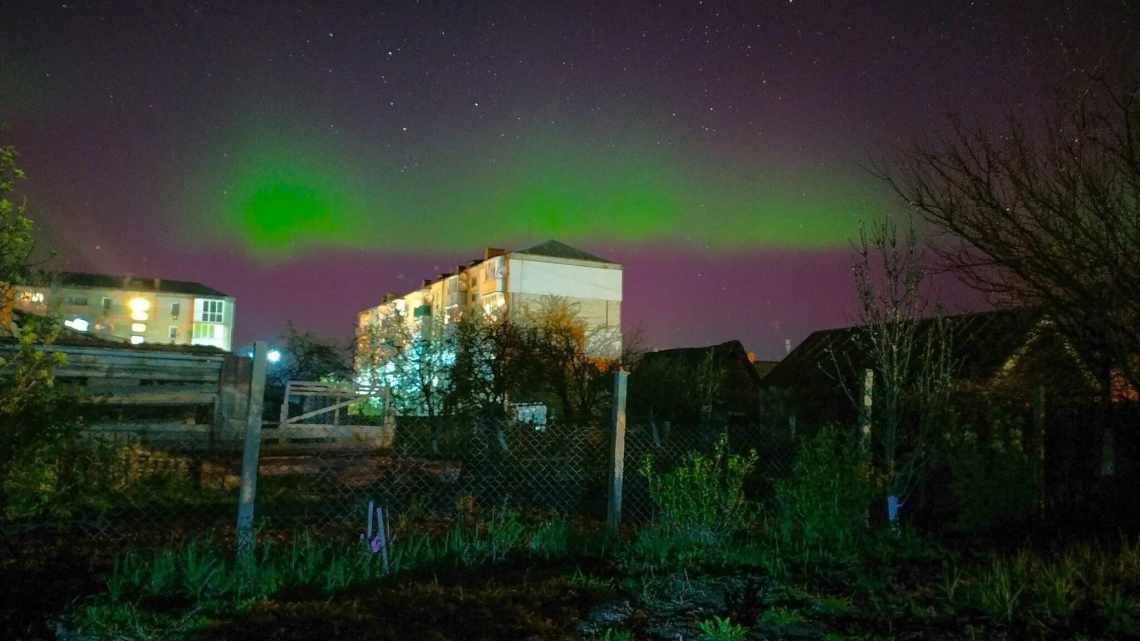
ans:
(541, 276)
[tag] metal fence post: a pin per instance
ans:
(247, 492)
(617, 451)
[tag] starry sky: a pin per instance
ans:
(307, 157)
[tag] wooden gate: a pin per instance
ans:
(330, 422)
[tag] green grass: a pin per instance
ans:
(866, 584)
(202, 578)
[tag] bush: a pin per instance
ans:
(824, 502)
(994, 480)
(703, 499)
(73, 477)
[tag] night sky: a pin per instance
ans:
(308, 157)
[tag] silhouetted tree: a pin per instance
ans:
(1048, 214)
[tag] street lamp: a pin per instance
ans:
(273, 356)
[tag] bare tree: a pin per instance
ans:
(907, 344)
(1048, 215)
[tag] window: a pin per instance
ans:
(106, 305)
(136, 340)
(78, 324)
(173, 334)
(203, 330)
(175, 308)
(138, 327)
(78, 301)
(212, 311)
(32, 297)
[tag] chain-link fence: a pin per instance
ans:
(436, 468)
(121, 486)
(127, 486)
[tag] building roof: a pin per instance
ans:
(133, 283)
(555, 249)
(764, 367)
(982, 343)
(690, 358)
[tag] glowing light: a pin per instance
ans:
(136, 340)
(139, 307)
(138, 327)
(78, 324)
(283, 197)
(273, 356)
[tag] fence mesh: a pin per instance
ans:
(124, 486)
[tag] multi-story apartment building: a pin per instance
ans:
(134, 310)
(513, 282)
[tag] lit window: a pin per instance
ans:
(32, 297)
(136, 340)
(139, 308)
(203, 330)
(175, 308)
(78, 324)
(213, 311)
(138, 327)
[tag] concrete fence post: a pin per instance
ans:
(247, 491)
(868, 393)
(617, 452)
(1041, 427)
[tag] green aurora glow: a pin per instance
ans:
(281, 200)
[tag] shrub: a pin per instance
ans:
(74, 477)
(824, 502)
(994, 479)
(703, 500)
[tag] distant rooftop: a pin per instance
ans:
(555, 249)
(133, 283)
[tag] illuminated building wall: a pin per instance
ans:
(137, 311)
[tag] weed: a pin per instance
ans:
(781, 616)
(504, 533)
(591, 582)
(1000, 587)
(1056, 585)
(833, 606)
(718, 629)
(1120, 613)
(951, 581)
(162, 573)
(703, 498)
(551, 540)
(613, 634)
(823, 504)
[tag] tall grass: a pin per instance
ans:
(205, 577)
(1030, 587)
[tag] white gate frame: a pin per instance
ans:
(345, 394)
